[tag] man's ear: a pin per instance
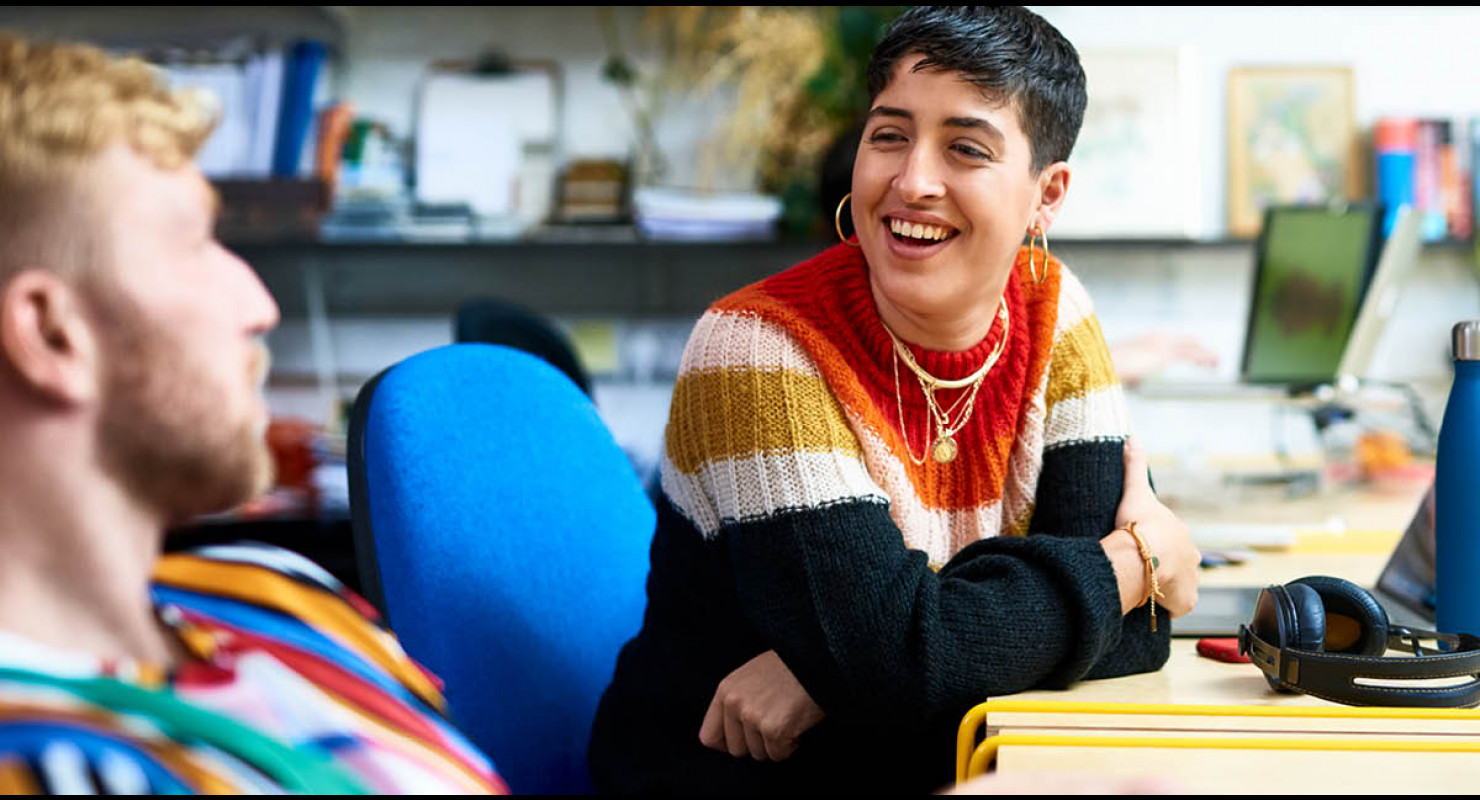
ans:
(47, 339)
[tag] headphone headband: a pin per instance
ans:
(1346, 677)
(1335, 676)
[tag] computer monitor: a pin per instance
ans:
(1312, 269)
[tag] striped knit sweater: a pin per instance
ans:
(795, 520)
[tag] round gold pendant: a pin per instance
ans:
(944, 450)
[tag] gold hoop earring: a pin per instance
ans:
(1038, 233)
(838, 220)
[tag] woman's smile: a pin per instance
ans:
(914, 238)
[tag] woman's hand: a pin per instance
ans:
(759, 710)
(1166, 536)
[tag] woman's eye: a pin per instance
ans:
(886, 136)
(971, 152)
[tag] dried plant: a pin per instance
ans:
(765, 56)
(791, 75)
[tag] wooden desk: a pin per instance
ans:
(1211, 726)
(1217, 727)
(1369, 526)
(1187, 679)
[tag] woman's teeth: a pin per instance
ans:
(915, 230)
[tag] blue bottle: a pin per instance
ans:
(1457, 491)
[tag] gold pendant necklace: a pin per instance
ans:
(945, 449)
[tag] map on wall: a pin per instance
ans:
(1134, 171)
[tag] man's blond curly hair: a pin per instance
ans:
(61, 106)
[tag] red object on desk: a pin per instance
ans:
(1221, 650)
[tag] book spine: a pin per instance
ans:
(1429, 201)
(1449, 185)
(301, 74)
(1395, 140)
(1473, 144)
(1461, 219)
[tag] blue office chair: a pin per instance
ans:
(506, 536)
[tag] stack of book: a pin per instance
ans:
(263, 97)
(1429, 165)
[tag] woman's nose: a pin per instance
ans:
(919, 177)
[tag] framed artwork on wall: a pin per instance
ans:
(1292, 138)
(1135, 172)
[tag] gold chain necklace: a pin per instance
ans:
(945, 443)
(961, 383)
(945, 449)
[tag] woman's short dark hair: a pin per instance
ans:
(1014, 55)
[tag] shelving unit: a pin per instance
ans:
(577, 271)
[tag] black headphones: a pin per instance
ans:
(1321, 636)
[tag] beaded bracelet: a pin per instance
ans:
(1152, 563)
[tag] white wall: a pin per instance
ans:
(1416, 60)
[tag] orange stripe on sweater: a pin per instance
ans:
(979, 473)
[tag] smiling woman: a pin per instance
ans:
(943, 188)
(895, 477)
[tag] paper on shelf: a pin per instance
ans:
(471, 131)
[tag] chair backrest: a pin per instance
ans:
(510, 536)
(490, 320)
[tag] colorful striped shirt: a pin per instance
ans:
(292, 686)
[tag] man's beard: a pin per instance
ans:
(163, 431)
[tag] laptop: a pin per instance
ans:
(1405, 588)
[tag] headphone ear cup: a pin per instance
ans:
(1308, 630)
(1300, 622)
(1343, 598)
(1273, 622)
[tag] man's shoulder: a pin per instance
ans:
(280, 596)
(253, 571)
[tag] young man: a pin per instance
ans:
(131, 369)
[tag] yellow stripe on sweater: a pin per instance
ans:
(738, 413)
(1081, 363)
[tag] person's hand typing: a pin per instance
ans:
(760, 710)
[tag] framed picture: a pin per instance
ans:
(1291, 139)
(1135, 162)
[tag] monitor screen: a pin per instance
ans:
(1311, 271)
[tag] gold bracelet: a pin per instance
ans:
(1153, 586)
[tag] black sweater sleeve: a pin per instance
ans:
(879, 639)
(1078, 493)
